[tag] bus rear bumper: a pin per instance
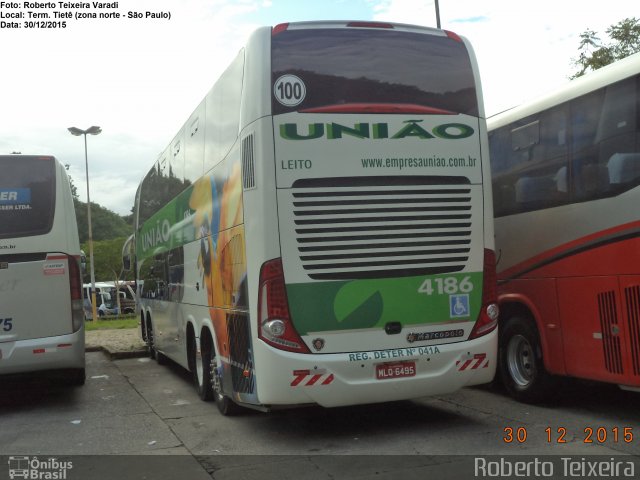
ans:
(352, 378)
(41, 354)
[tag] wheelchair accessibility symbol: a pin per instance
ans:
(459, 306)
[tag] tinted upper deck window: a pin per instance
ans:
(27, 196)
(352, 65)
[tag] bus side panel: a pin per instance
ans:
(540, 297)
(604, 322)
(594, 306)
(630, 297)
(261, 227)
(165, 328)
(262, 238)
(217, 205)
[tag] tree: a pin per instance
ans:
(593, 54)
(74, 189)
(107, 256)
(105, 224)
(109, 231)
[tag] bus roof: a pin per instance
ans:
(356, 24)
(575, 88)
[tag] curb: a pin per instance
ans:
(119, 355)
(129, 354)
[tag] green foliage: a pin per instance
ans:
(105, 224)
(593, 54)
(74, 189)
(107, 260)
(109, 231)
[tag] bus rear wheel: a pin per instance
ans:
(521, 364)
(201, 371)
(151, 346)
(225, 405)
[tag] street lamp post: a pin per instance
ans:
(77, 132)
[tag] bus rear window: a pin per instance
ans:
(27, 195)
(367, 66)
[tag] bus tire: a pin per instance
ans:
(161, 358)
(225, 405)
(202, 370)
(150, 338)
(520, 361)
(143, 328)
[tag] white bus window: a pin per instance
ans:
(27, 196)
(605, 136)
(349, 66)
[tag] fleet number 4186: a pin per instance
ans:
(446, 286)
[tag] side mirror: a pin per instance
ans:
(83, 262)
(126, 263)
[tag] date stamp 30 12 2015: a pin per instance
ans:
(560, 435)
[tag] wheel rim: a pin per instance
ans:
(199, 367)
(521, 361)
(150, 338)
(216, 380)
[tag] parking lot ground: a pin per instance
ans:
(136, 419)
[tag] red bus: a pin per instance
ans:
(566, 176)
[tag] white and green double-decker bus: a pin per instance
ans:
(320, 231)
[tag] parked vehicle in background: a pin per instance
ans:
(127, 296)
(107, 301)
(566, 185)
(41, 321)
(103, 298)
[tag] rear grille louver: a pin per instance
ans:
(632, 300)
(376, 227)
(248, 164)
(610, 332)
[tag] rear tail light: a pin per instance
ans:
(488, 318)
(274, 321)
(75, 290)
(281, 27)
(453, 36)
(369, 25)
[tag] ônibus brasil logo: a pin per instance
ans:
(410, 129)
(36, 469)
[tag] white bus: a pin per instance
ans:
(103, 298)
(41, 320)
(318, 231)
(566, 184)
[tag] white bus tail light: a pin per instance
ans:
(75, 290)
(370, 25)
(281, 27)
(274, 321)
(488, 317)
(453, 36)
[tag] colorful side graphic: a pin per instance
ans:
(208, 212)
